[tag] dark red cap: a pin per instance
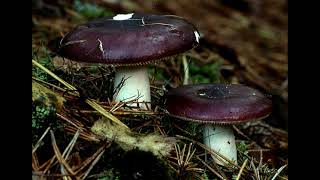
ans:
(129, 39)
(217, 103)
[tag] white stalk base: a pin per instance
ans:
(222, 140)
(135, 87)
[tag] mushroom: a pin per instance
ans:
(129, 42)
(218, 106)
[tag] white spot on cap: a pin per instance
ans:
(120, 17)
(202, 94)
(197, 35)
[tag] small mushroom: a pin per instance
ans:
(218, 106)
(129, 42)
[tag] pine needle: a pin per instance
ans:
(94, 105)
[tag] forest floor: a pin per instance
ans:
(242, 41)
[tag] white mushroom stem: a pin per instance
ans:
(136, 86)
(221, 139)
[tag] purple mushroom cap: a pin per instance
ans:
(136, 39)
(217, 103)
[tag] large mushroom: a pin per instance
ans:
(218, 106)
(129, 42)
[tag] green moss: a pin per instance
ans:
(209, 73)
(242, 147)
(158, 74)
(109, 175)
(42, 118)
(42, 56)
(205, 176)
(195, 129)
(91, 11)
(39, 115)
